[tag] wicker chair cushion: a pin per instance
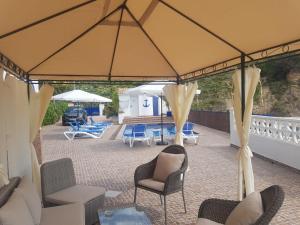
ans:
(204, 221)
(152, 184)
(247, 211)
(71, 214)
(77, 193)
(166, 164)
(15, 211)
(28, 191)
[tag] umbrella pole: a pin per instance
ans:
(77, 109)
(161, 142)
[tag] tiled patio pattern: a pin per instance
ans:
(213, 173)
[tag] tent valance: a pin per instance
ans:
(117, 40)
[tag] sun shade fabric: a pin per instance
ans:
(143, 40)
(252, 76)
(38, 104)
(80, 96)
(180, 98)
(3, 177)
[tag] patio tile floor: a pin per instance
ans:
(212, 173)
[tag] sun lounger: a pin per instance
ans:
(139, 134)
(79, 131)
(156, 135)
(101, 124)
(171, 132)
(127, 134)
(189, 133)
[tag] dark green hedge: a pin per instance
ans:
(54, 112)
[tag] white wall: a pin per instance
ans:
(134, 106)
(275, 149)
(14, 127)
(145, 111)
(101, 108)
(124, 107)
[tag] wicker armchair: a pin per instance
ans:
(59, 188)
(218, 210)
(174, 182)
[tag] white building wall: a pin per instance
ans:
(134, 106)
(124, 107)
(145, 111)
(273, 138)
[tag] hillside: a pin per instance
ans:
(280, 90)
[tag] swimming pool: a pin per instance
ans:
(153, 129)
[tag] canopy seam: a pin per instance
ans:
(153, 43)
(75, 39)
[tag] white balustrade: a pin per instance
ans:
(282, 129)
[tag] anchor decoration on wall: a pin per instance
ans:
(146, 103)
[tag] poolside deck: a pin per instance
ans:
(213, 173)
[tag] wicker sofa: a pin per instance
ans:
(20, 204)
(59, 188)
(218, 210)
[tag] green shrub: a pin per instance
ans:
(54, 112)
(112, 109)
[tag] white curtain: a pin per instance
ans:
(180, 98)
(38, 104)
(252, 76)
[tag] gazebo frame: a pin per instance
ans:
(246, 58)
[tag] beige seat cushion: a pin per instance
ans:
(204, 221)
(166, 164)
(153, 184)
(72, 214)
(15, 211)
(247, 211)
(32, 199)
(77, 193)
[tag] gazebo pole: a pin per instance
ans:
(161, 142)
(243, 81)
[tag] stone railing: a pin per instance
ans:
(282, 129)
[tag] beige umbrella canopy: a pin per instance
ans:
(120, 40)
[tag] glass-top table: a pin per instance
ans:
(125, 216)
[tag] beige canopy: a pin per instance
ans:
(141, 39)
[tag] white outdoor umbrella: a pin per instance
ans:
(153, 89)
(80, 96)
